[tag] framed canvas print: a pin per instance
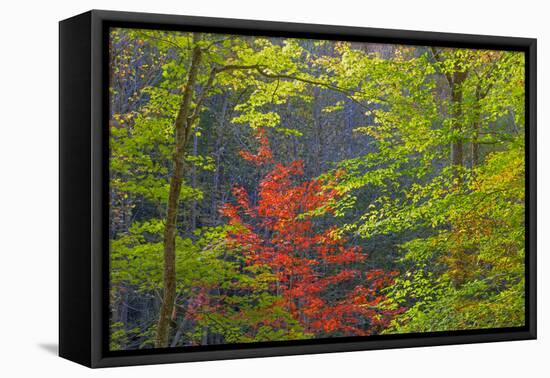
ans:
(234, 188)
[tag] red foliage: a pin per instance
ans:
(263, 155)
(317, 274)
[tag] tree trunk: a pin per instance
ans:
(194, 185)
(218, 153)
(317, 129)
(475, 145)
(477, 128)
(182, 132)
(179, 333)
(455, 81)
(457, 148)
(348, 116)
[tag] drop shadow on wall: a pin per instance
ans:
(51, 348)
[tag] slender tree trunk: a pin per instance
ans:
(475, 145)
(124, 307)
(182, 131)
(457, 147)
(348, 115)
(218, 154)
(179, 333)
(194, 185)
(316, 115)
(477, 128)
(455, 81)
(204, 337)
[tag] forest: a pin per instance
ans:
(265, 189)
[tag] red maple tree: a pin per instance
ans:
(318, 275)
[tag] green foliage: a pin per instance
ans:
(462, 256)
(476, 264)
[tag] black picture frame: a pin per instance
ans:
(83, 195)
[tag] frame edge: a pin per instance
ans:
(75, 334)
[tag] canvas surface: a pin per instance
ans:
(271, 189)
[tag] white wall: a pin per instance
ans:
(28, 188)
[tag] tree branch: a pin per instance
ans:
(438, 59)
(260, 69)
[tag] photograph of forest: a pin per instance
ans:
(268, 189)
